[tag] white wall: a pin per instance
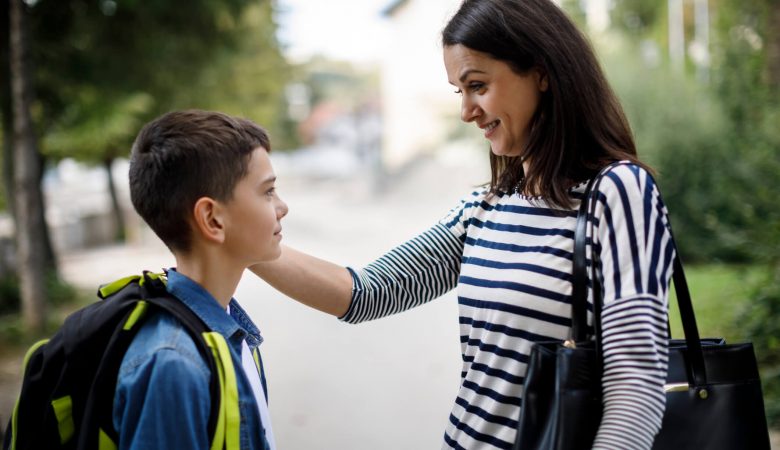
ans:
(416, 97)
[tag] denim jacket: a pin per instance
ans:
(162, 398)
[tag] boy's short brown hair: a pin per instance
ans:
(182, 156)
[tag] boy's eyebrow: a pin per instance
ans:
(268, 179)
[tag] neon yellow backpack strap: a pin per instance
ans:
(227, 431)
(63, 411)
(105, 442)
(115, 286)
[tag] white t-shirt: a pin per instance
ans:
(250, 368)
(252, 373)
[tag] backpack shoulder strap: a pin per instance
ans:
(149, 291)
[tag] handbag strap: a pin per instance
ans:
(697, 375)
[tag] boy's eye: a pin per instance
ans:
(271, 192)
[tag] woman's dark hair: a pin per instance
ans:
(579, 126)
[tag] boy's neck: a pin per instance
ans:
(218, 277)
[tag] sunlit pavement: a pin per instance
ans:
(388, 384)
(382, 385)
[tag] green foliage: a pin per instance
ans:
(92, 130)
(248, 78)
(638, 17)
(740, 304)
(682, 131)
(720, 294)
(760, 324)
(103, 68)
(58, 293)
(716, 147)
(9, 294)
(62, 299)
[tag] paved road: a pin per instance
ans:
(382, 385)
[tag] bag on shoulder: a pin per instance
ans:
(67, 394)
(713, 389)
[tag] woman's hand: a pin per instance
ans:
(312, 281)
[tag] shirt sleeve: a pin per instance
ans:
(635, 248)
(415, 272)
(163, 401)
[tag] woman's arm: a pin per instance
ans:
(635, 248)
(411, 274)
(407, 276)
(312, 281)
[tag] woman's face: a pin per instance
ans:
(501, 102)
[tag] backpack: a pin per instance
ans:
(67, 394)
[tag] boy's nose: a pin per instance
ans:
(282, 209)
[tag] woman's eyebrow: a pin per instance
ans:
(468, 72)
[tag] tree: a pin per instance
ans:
(6, 107)
(26, 162)
(104, 71)
(103, 68)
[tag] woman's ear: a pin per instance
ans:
(208, 221)
(541, 79)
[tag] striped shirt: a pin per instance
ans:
(510, 257)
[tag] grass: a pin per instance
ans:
(719, 294)
(13, 337)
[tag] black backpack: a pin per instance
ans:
(67, 395)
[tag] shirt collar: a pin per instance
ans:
(204, 305)
(253, 337)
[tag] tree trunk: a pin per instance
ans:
(50, 258)
(31, 252)
(119, 217)
(6, 109)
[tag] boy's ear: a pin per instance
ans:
(208, 220)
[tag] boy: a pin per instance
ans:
(204, 184)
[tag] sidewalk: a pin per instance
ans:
(383, 385)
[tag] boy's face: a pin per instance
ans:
(253, 215)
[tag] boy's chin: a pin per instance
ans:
(271, 256)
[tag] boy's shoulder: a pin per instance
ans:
(163, 341)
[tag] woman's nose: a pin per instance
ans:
(469, 110)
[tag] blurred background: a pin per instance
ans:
(369, 150)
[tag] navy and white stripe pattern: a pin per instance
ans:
(511, 259)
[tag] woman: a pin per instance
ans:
(529, 79)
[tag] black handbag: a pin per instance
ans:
(713, 390)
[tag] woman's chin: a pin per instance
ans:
(498, 151)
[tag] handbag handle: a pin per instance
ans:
(697, 374)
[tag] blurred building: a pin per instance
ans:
(419, 108)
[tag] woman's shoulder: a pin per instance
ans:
(626, 178)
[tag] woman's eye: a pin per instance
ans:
(476, 86)
(459, 91)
